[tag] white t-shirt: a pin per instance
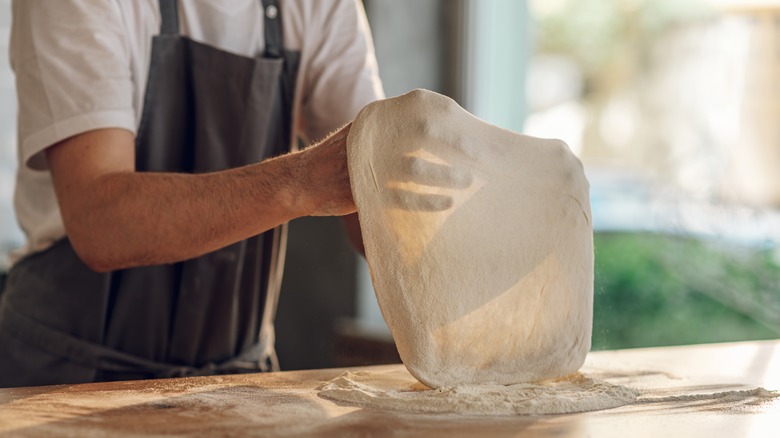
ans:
(82, 65)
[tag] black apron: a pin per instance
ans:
(205, 110)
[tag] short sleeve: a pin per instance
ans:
(72, 65)
(342, 76)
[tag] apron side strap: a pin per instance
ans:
(70, 348)
(273, 29)
(169, 13)
(91, 355)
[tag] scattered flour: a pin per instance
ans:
(755, 395)
(397, 390)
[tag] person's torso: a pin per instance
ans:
(235, 26)
(206, 315)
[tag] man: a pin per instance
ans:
(154, 215)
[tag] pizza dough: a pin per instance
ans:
(478, 240)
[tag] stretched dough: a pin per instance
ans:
(478, 240)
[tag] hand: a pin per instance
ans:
(324, 177)
(422, 159)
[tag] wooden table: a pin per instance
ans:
(287, 404)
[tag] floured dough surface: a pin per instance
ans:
(399, 391)
(479, 243)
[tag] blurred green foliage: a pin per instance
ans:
(653, 290)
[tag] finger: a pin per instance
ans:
(422, 171)
(438, 138)
(414, 201)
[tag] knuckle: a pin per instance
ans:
(431, 99)
(418, 94)
(560, 147)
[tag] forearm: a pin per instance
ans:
(117, 218)
(134, 219)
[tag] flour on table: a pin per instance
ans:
(752, 395)
(399, 391)
(479, 243)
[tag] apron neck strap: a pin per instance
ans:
(169, 12)
(273, 29)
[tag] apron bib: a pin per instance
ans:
(205, 110)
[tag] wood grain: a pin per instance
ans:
(286, 403)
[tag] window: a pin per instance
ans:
(10, 235)
(673, 108)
